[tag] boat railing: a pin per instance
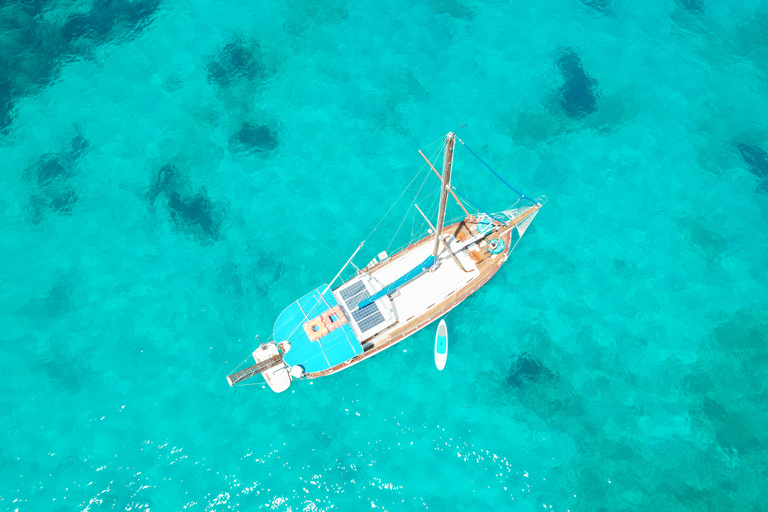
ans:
(416, 238)
(427, 231)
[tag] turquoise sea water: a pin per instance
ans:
(175, 173)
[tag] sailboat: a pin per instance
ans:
(336, 326)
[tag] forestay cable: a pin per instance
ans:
(522, 196)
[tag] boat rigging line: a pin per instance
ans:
(522, 196)
(342, 268)
(492, 219)
(449, 190)
(401, 194)
(445, 244)
(412, 203)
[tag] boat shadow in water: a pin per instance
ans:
(193, 213)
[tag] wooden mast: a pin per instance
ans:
(469, 215)
(447, 247)
(450, 139)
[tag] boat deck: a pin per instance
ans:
(416, 296)
(431, 295)
(419, 303)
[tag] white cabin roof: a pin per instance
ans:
(416, 296)
(409, 300)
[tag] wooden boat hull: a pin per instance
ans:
(433, 313)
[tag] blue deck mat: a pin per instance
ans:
(335, 347)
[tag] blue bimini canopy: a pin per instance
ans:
(400, 281)
(315, 356)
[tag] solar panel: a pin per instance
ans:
(353, 294)
(367, 317)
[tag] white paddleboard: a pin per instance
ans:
(441, 345)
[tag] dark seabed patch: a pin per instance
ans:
(69, 375)
(64, 202)
(78, 146)
(51, 175)
(110, 19)
(229, 282)
(694, 6)
(168, 178)
(705, 239)
(60, 166)
(599, 6)
(271, 268)
(172, 83)
(197, 214)
(525, 369)
(745, 333)
(238, 59)
(56, 303)
(716, 438)
(579, 92)
(237, 71)
(307, 15)
(6, 96)
(194, 213)
(732, 431)
(453, 8)
(49, 168)
(33, 48)
(727, 390)
(533, 384)
(254, 138)
(755, 158)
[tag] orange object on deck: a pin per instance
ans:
(315, 329)
(340, 318)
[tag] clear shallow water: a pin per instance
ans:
(153, 152)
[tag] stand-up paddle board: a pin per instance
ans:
(441, 345)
